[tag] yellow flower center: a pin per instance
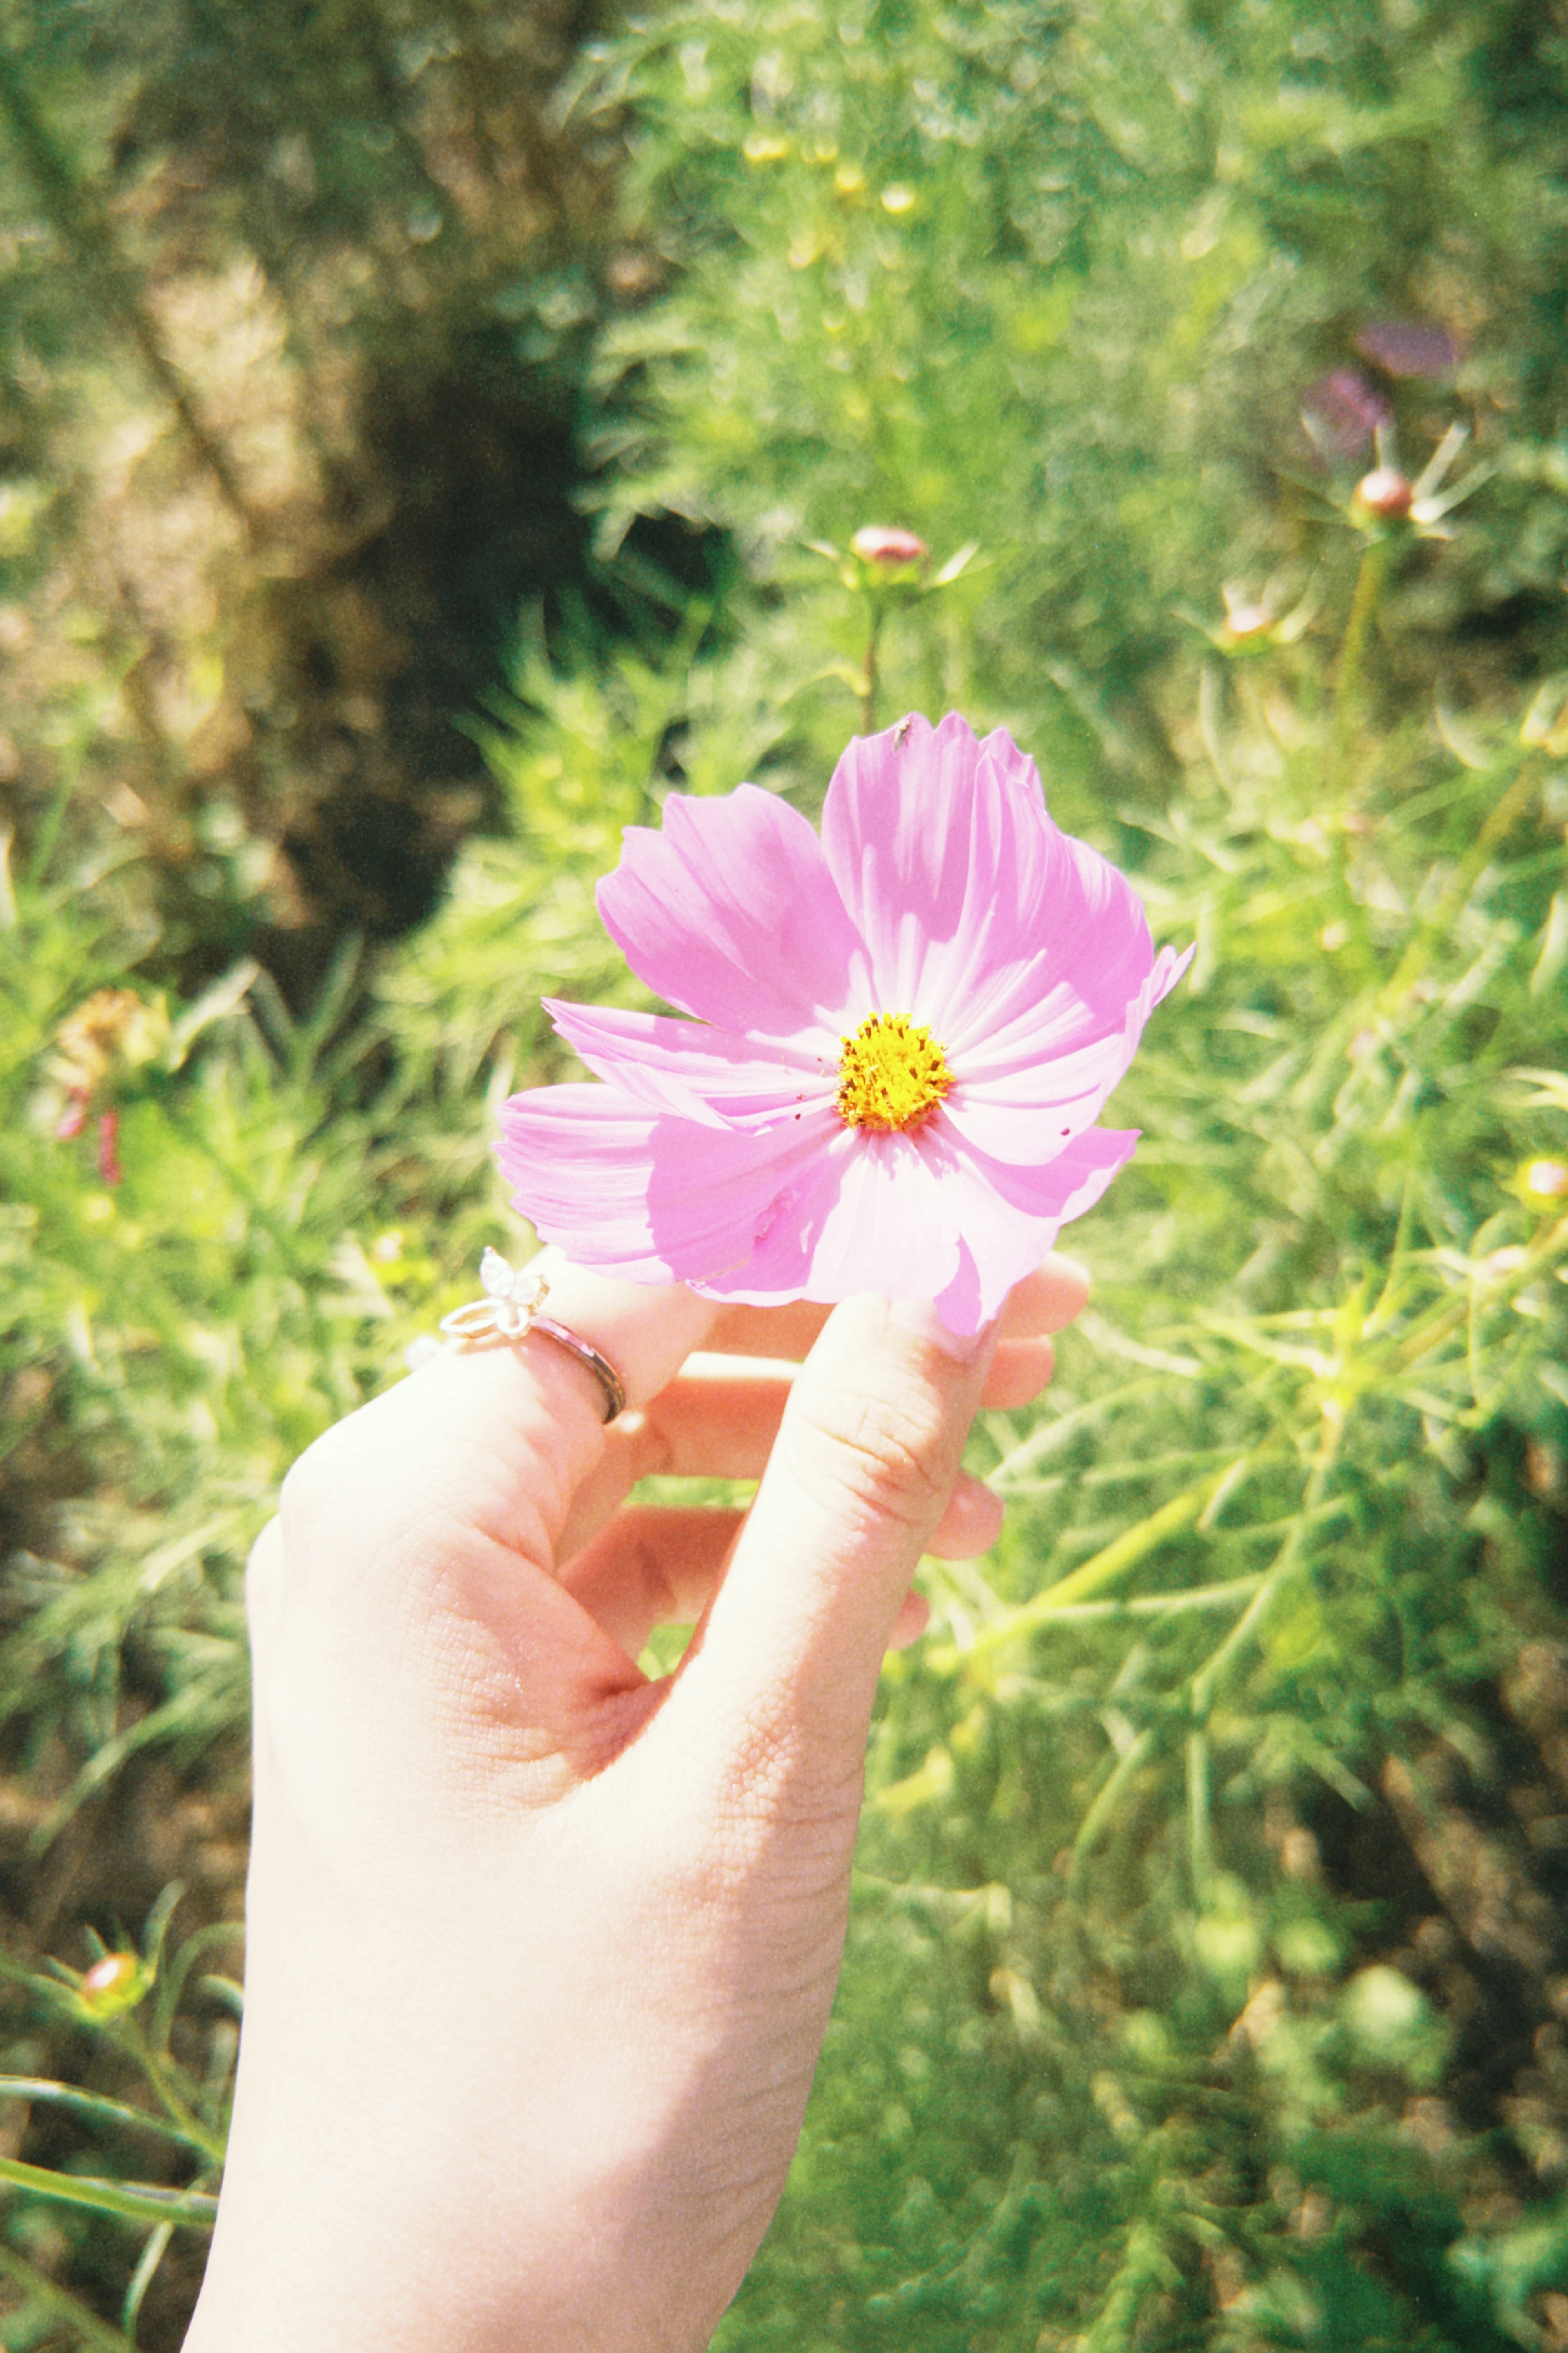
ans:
(891, 1074)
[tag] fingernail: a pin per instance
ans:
(920, 1317)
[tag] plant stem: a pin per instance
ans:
(1200, 1827)
(1124, 1553)
(92, 2104)
(1499, 824)
(1351, 671)
(868, 676)
(133, 2201)
(1350, 681)
(1206, 1681)
(152, 2254)
(133, 2039)
(1109, 1793)
(60, 2305)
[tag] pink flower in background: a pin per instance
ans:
(903, 1035)
(1343, 413)
(1408, 347)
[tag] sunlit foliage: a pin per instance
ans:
(1206, 1982)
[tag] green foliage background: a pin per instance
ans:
(1207, 1979)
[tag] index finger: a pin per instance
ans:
(410, 1594)
(497, 1439)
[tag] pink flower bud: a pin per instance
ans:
(1384, 492)
(114, 1984)
(881, 543)
(1244, 624)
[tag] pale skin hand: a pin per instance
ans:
(540, 1953)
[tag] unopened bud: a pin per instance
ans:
(1546, 1180)
(1385, 492)
(881, 543)
(1246, 621)
(114, 1984)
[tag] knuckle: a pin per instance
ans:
(893, 1455)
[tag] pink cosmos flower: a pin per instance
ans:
(903, 1035)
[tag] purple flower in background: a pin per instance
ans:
(1343, 413)
(1408, 347)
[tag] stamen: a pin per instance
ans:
(892, 1074)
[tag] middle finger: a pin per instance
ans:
(719, 1418)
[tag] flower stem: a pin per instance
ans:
(868, 675)
(1499, 823)
(1200, 1823)
(1349, 682)
(1351, 671)
(131, 2039)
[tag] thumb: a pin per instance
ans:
(859, 1475)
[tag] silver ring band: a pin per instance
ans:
(510, 1312)
(610, 1383)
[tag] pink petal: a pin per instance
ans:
(868, 1214)
(1028, 1134)
(1046, 1027)
(1095, 956)
(1010, 1217)
(1066, 1187)
(731, 913)
(935, 841)
(1038, 1095)
(1168, 969)
(692, 1069)
(978, 911)
(917, 1218)
(658, 1198)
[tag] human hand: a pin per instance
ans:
(540, 1953)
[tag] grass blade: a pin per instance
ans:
(133, 2201)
